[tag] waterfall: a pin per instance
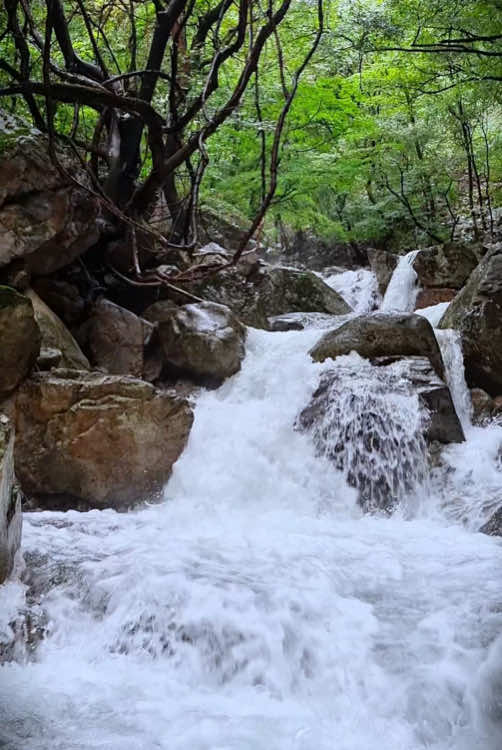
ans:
(257, 607)
(368, 421)
(450, 344)
(358, 288)
(402, 291)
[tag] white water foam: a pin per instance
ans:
(358, 288)
(402, 291)
(256, 609)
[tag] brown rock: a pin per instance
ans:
(204, 339)
(44, 218)
(383, 265)
(445, 266)
(93, 440)
(429, 297)
(117, 339)
(477, 313)
(19, 339)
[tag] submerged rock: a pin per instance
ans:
(374, 423)
(493, 527)
(477, 313)
(19, 338)
(10, 502)
(381, 335)
(85, 439)
(205, 340)
(268, 291)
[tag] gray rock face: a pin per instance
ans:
(91, 440)
(316, 253)
(116, 339)
(448, 265)
(268, 291)
(205, 340)
(19, 339)
(44, 218)
(477, 313)
(493, 527)
(383, 265)
(56, 337)
(382, 335)
(10, 502)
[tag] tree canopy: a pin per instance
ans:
(362, 121)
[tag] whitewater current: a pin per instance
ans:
(257, 607)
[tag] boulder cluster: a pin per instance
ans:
(96, 375)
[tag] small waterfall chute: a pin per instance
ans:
(371, 424)
(402, 291)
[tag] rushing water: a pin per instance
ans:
(401, 293)
(257, 608)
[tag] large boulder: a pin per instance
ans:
(44, 217)
(382, 335)
(265, 291)
(19, 339)
(56, 337)
(204, 340)
(374, 424)
(10, 502)
(85, 439)
(383, 265)
(117, 338)
(477, 313)
(445, 266)
(314, 252)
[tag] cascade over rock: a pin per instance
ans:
(382, 335)
(19, 338)
(96, 440)
(356, 420)
(44, 218)
(10, 502)
(205, 340)
(477, 313)
(265, 291)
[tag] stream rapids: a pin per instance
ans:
(257, 607)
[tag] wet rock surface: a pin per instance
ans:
(10, 502)
(477, 313)
(382, 335)
(117, 339)
(77, 431)
(44, 218)
(205, 340)
(268, 291)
